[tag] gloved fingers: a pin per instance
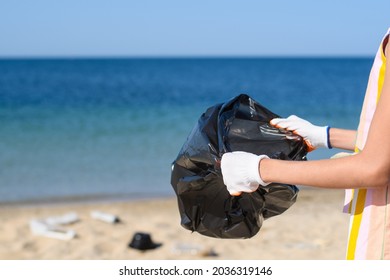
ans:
(285, 124)
(295, 118)
(234, 193)
(289, 119)
(310, 147)
(281, 122)
(314, 136)
(240, 172)
(276, 121)
(237, 191)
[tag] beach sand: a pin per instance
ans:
(314, 228)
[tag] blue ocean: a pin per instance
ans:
(111, 128)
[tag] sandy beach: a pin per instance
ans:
(313, 228)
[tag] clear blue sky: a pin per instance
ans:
(192, 28)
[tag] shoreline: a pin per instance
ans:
(313, 228)
(83, 199)
(98, 199)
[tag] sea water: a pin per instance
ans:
(74, 128)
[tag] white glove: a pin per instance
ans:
(314, 136)
(240, 172)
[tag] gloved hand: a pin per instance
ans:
(314, 136)
(240, 172)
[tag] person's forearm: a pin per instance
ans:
(342, 138)
(340, 173)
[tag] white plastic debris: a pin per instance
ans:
(65, 219)
(186, 248)
(40, 227)
(50, 226)
(105, 217)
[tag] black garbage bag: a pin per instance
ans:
(205, 205)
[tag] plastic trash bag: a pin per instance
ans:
(205, 205)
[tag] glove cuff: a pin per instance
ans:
(328, 137)
(322, 138)
(254, 171)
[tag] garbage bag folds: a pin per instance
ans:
(205, 205)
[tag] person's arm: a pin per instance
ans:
(342, 138)
(368, 169)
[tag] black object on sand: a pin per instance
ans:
(143, 241)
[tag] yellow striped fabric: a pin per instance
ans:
(369, 231)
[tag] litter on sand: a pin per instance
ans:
(66, 219)
(187, 248)
(143, 241)
(105, 217)
(50, 227)
(39, 227)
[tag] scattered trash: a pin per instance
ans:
(49, 227)
(40, 227)
(193, 249)
(183, 248)
(143, 241)
(105, 217)
(65, 219)
(209, 253)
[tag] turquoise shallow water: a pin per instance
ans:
(112, 127)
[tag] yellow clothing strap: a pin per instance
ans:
(381, 74)
(357, 219)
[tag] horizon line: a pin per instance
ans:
(103, 57)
